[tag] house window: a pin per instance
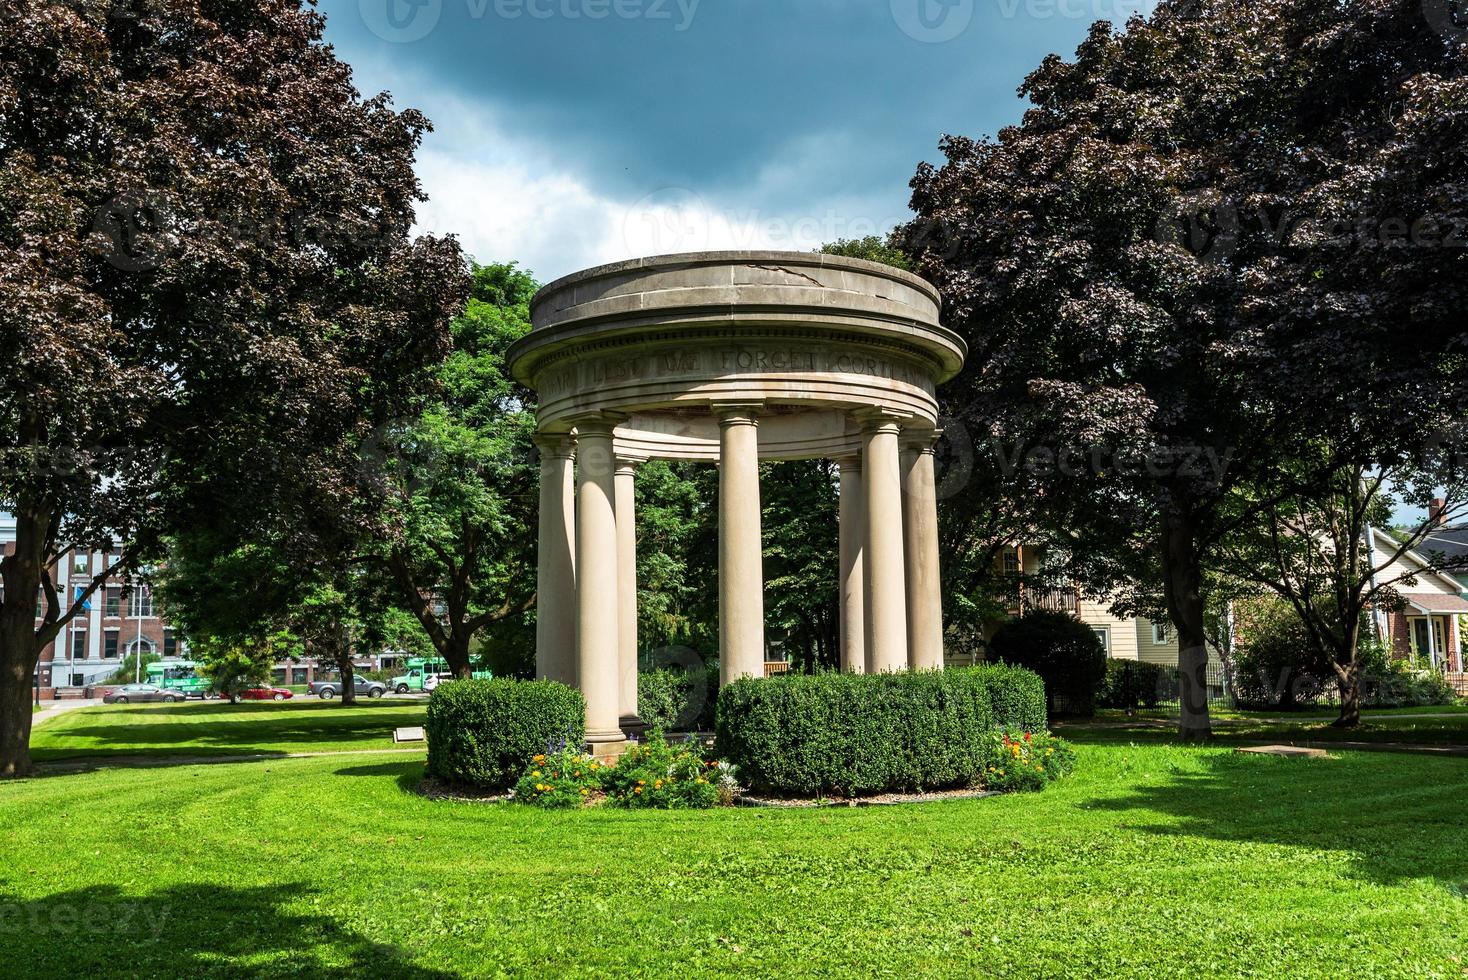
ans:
(113, 605)
(140, 602)
(1104, 635)
(1159, 634)
(109, 645)
(1011, 563)
(78, 644)
(80, 562)
(170, 644)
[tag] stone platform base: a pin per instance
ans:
(608, 751)
(1286, 750)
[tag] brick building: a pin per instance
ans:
(117, 621)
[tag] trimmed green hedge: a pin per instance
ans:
(859, 734)
(484, 733)
(678, 700)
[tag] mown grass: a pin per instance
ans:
(1417, 727)
(220, 728)
(1152, 860)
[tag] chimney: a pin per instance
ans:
(1436, 512)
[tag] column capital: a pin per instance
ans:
(596, 423)
(737, 413)
(555, 445)
(880, 419)
(920, 438)
(849, 461)
(626, 465)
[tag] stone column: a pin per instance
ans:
(920, 549)
(596, 582)
(626, 594)
(853, 534)
(741, 575)
(555, 589)
(882, 564)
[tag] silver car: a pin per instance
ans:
(142, 692)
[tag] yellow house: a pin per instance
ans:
(1123, 638)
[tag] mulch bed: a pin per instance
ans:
(882, 799)
(435, 789)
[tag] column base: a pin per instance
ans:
(632, 724)
(607, 747)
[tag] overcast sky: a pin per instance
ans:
(573, 132)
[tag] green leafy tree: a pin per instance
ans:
(210, 285)
(1318, 555)
(461, 481)
(872, 248)
(235, 667)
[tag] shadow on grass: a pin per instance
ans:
(409, 774)
(189, 930)
(1397, 817)
(220, 729)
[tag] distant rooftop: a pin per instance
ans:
(1451, 541)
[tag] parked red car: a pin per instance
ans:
(262, 694)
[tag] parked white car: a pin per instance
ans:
(431, 682)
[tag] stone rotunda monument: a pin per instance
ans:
(733, 358)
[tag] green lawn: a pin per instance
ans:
(220, 728)
(1414, 726)
(1151, 860)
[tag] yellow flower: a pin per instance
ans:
(585, 791)
(657, 784)
(637, 790)
(539, 758)
(578, 772)
(539, 788)
(642, 782)
(702, 781)
(536, 774)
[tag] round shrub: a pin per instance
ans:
(678, 699)
(485, 733)
(1064, 651)
(859, 734)
(1132, 684)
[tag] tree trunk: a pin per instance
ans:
(19, 651)
(456, 652)
(1182, 577)
(1348, 677)
(348, 672)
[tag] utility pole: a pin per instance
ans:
(138, 644)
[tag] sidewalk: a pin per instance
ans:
(61, 708)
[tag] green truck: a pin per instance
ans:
(183, 676)
(420, 669)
